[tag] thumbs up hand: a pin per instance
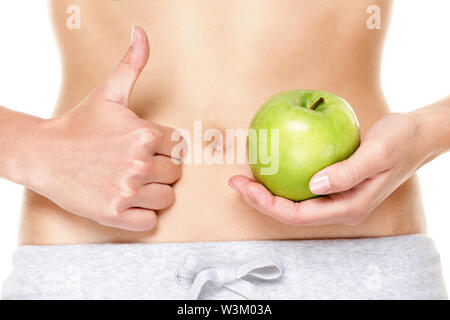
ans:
(102, 161)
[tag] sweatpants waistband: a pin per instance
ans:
(400, 267)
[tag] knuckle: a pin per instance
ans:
(139, 168)
(121, 194)
(383, 150)
(348, 174)
(126, 193)
(149, 136)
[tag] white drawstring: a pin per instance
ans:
(198, 272)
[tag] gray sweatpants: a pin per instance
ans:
(402, 267)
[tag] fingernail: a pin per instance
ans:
(133, 37)
(320, 185)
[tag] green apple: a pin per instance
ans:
(297, 133)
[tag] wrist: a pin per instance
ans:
(432, 130)
(27, 151)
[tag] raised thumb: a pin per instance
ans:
(119, 85)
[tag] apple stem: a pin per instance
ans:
(317, 103)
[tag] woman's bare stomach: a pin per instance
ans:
(220, 80)
(207, 209)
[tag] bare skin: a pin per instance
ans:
(217, 62)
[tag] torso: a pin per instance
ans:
(218, 61)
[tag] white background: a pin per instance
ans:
(416, 72)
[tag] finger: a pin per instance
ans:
(159, 169)
(137, 219)
(170, 139)
(350, 207)
(119, 85)
(154, 196)
(257, 196)
(344, 175)
(164, 170)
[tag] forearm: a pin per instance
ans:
(19, 142)
(433, 128)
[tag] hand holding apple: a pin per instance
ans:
(355, 186)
